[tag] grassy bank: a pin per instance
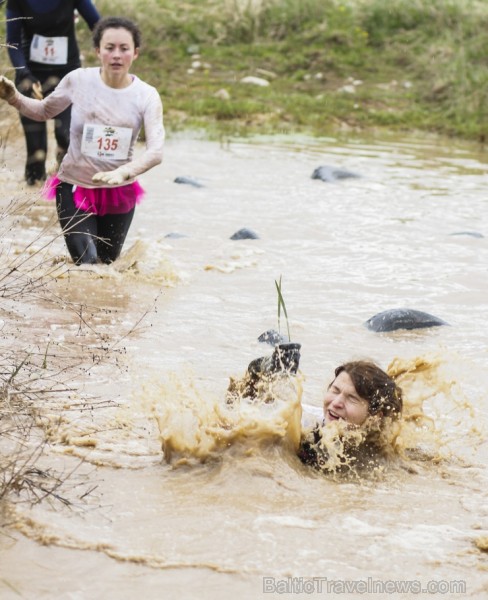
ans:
(331, 64)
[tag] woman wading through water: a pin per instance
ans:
(95, 188)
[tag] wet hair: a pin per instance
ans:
(347, 454)
(375, 386)
(116, 23)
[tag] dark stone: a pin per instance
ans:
(474, 234)
(189, 181)
(285, 358)
(174, 235)
(330, 174)
(272, 337)
(261, 372)
(244, 234)
(402, 318)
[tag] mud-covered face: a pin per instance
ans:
(342, 401)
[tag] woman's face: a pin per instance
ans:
(343, 402)
(117, 51)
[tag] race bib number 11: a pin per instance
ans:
(105, 142)
(49, 50)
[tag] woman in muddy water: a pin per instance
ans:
(361, 406)
(95, 188)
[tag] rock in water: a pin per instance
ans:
(475, 234)
(402, 318)
(175, 235)
(189, 181)
(329, 174)
(273, 338)
(244, 234)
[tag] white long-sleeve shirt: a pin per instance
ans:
(105, 124)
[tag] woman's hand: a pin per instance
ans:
(116, 177)
(7, 89)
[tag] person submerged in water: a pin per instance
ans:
(361, 406)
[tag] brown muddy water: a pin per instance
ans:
(147, 346)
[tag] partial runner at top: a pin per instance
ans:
(43, 49)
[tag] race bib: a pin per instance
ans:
(49, 50)
(106, 142)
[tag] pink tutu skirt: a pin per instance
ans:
(100, 201)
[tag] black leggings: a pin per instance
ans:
(36, 141)
(90, 238)
(36, 133)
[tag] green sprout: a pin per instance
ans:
(281, 305)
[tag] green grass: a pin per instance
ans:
(422, 63)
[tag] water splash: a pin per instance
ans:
(196, 427)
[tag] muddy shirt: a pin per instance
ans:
(101, 116)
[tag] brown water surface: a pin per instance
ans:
(152, 340)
